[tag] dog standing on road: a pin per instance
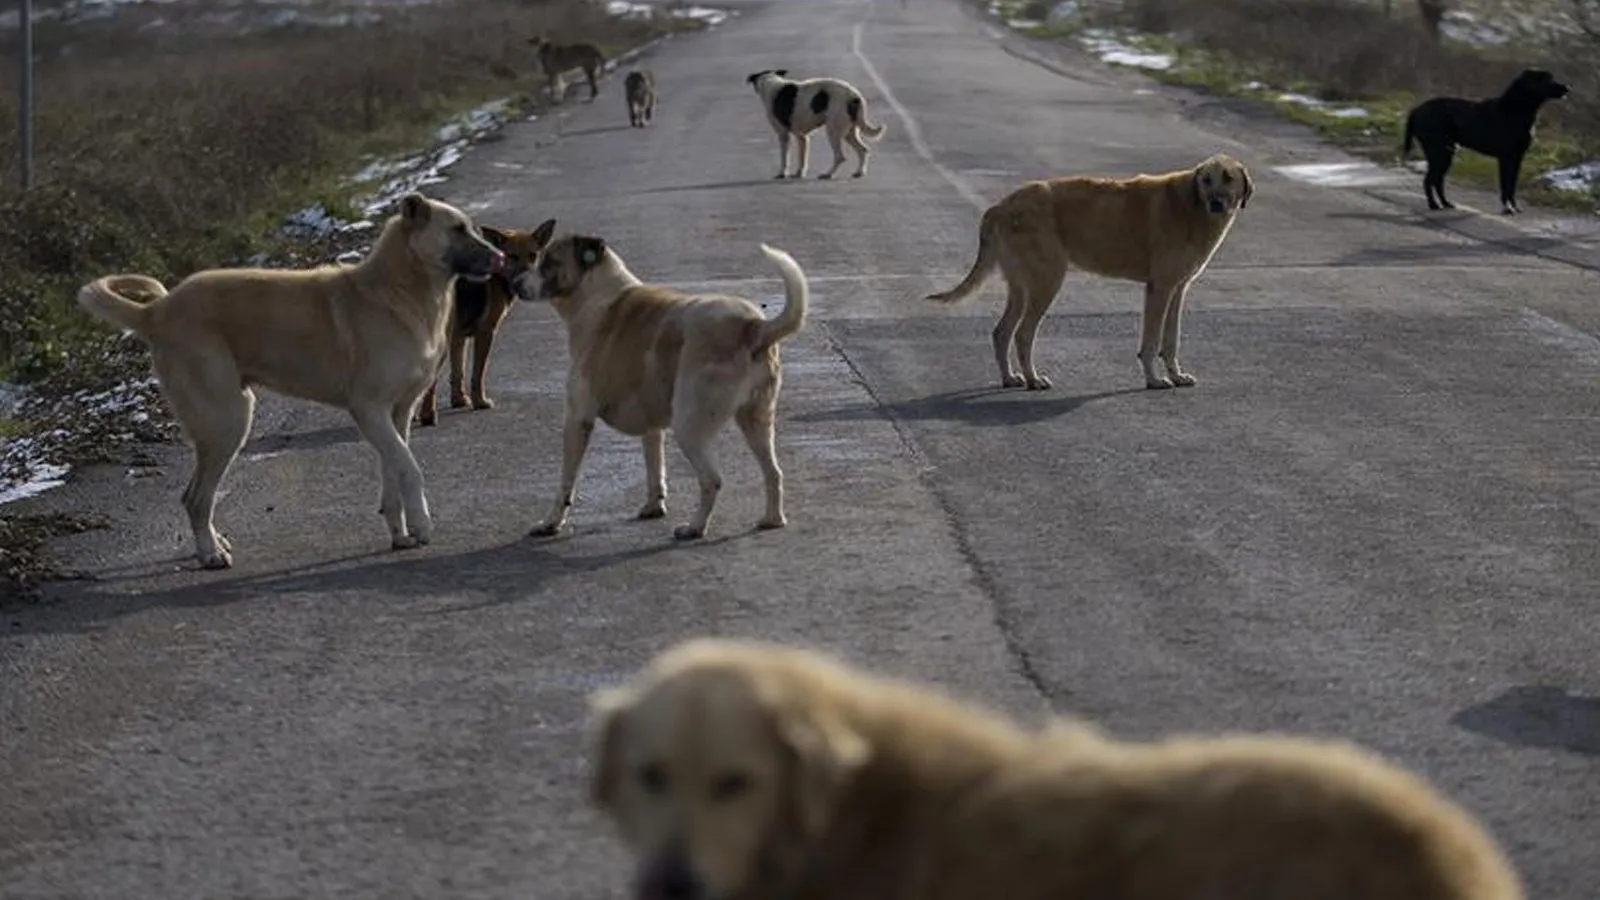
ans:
(1161, 230)
(367, 338)
(800, 107)
(646, 359)
(477, 309)
(640, 90)
(1499, 127)
(736, 770)
(557, 59)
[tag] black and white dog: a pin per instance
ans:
(801, 107)
(1500, 127)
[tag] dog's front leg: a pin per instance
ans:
(404, 504)
(783, 155)
(1156, 298)
(574, 444)
(1171, 326)
(1510, 167)
(804, 149)
(458, 365)
(655, 473)
(482, 343)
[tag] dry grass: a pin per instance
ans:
(167, 155)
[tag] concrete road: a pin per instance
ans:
(1375, 517)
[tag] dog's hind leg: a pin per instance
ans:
(1510, 167)
(404, 504)
(655, 473)
(482, 343)
(694, 426)
(755, 422)
(216, 414)
(1041, 293)
(836, 142)
(1171, 326)
(862, 151)
(1005, 331)
(593, 90)
(428, 409)
(1439, 163)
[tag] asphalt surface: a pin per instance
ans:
(1375, 517)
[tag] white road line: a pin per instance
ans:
(913, 130)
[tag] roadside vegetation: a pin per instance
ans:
(165, 145)
(1353, 68)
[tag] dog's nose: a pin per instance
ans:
(497, 262)
(1217, 206)
(671, 879)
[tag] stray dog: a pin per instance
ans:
(1158, 229)
(557, 59)
(366, 338)
(647, 358)
(739, 770)
(801, 107)
(1499, 127)
(640, 89)
(478, 308)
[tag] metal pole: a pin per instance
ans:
(25, 102)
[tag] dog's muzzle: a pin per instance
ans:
(1216, 205)
(668, 877)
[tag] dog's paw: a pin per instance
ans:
(1039, 383)
(1011, 381)
(223, 542)
(545, 530)
(688, 533)
(1158, 383)
(858, 175)
(482, 403)
(825, 176)
(404, 542)
(779, 177)
(1183, 379)
(654, 509)
(458, 400)
(220, 559)
(769, 523)
(427, 421)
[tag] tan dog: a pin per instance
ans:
(639, 88)
(477, 309)
(555, 60)
(1161, 230)
(744, 771)
(798, 108)
(366, 338)
(646, 359)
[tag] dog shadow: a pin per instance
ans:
(599, 129)
(721, 185)
(319, 439)
(979, 407)
(1541, 716)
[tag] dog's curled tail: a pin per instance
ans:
(1411, 133)
(797, 297)
(858, 114)
(105, 298)
(981, 267)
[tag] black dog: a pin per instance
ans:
(1500, 127)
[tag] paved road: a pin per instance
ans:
(1376, 516)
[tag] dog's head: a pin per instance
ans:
(1533, 87)
(719, 772)
(521, 248)
(757, 78)
(446, 239)
(1222, 185)
(562, 267)
(536, 41)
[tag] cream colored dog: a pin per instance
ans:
(1161, 230)
(745, 771)
(646, 359)
(366, 338)
(800, 107)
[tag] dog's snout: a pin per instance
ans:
(670, 878)
(497, 261)
(1216, 205)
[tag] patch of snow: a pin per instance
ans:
(30, 464)
(1023, 24)
(1112, 49)
(1338, 112)
(1062, 12)
(1582, 178)
(1342, 174)
(1464, 27)
(40, 478)
(623, 9)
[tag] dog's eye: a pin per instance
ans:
(653, 778)
(729, 786)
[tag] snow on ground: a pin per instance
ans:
(29, 463)
(1584, 177)
(623, 9)
(1112, 48)
(1338, 112)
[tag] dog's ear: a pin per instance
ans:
(825, 754)
(756, 76)
(543, 234)
(589, 250)
(414, 208)
(606, 709)
(1249, 187)
(495, 236)
(781, 73)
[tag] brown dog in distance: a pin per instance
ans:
(477, 309)
(747, 771)
(1161, 230)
